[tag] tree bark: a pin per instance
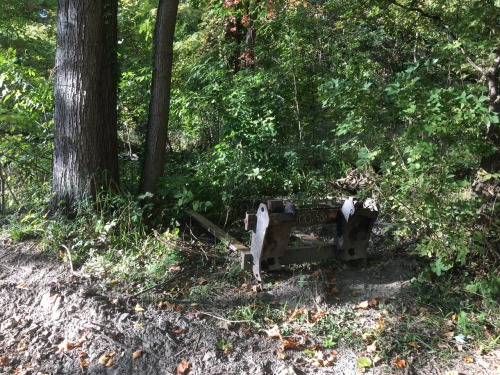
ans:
(85, 136)
(159, 107)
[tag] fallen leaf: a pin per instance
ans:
(372, 348)
(281, 355)
(362, 305)
(257, 288)
(82, 355)
(366, 336)
(273, 332)
(401, 363)
(380, 325)
(138, 308)
(318, 315)
(183, 367)
(4, 361)
(364, 362)
(65, 346)
(413, 345)
(103, 359)
(202, 281)
(289, 343)
(137, 354)
(84, 363)
(376, 359)
(469, 360)
(111, 362)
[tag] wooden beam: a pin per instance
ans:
(232, 242)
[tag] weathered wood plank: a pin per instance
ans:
(232, 242)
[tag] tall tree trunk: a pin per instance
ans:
(159, 107)
(85, 137)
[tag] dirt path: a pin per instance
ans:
(56, 322)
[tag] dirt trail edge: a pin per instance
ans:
(53, 321)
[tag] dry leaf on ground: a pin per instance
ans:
(137, 354)
(183, 367)
(401, 363)
(289, 343)
(273, 332)
(372, 348)
(138, 308)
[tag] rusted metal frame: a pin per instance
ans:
(304, 217)
(313, 251)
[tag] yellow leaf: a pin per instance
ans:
(138, 308)
(137, 354)
(103, 359)
(469, 360)
(413, 345)
(111, 362)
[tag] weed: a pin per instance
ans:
(329, 342)
(224, 346)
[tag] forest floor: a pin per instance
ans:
(319, 319)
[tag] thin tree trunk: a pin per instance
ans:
(85, 139)
(491, 163)
(159, 108)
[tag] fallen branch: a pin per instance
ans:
(223, 319)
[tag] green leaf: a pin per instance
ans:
(364, 362)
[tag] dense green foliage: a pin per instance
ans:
(389, 87)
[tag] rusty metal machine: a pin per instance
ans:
(277, 222)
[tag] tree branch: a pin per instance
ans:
(439, 21)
